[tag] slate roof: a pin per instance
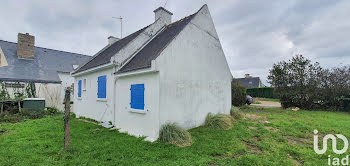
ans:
(251, 82)
(151, 51)
(43, 68)
(105, 55)
(143, 58)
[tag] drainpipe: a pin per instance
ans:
(114, 94)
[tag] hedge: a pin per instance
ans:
(266, 92)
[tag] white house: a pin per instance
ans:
(166, 72)
(23, 63)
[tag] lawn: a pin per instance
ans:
(264, 137)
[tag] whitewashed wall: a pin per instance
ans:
(193, 80)
(194, 75)
(88, 105)
(138, 122)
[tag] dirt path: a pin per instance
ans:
(267, 104)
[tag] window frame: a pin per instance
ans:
(84, 84)
(137, 89)
(79, 94)
(102, 98)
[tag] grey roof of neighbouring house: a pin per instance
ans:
(151, 51)
(105, 55)
(44, 68)
(251, 82)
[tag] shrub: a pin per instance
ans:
(299, 83)
(10, 118)
(238, 93)
(219, 121)
(296, 82)
(266, 92)
(27, 114)
(236, 113)
(172, 133)
(52, 110)
(18, 117)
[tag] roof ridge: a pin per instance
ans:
(107, 47)
(46, 48)
(186, 21)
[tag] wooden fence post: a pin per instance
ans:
(66, 117)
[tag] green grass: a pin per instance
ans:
(285, 140)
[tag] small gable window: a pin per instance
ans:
(137, 93)
(102, 87)
(79, 88)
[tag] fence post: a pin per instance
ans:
(66, 117)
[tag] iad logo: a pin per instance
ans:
(334, 143)
(335, 160)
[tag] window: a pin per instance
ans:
(84, 84)
(79, 88)
(101, 87)
(137, 93)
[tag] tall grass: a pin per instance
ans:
(219, 121)
(236, 113)
(172, 133)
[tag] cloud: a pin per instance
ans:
(254, 34)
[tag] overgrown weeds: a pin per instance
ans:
(236, 113)
(219, 121)
(172, 133)
(26, 114)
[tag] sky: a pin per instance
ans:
(254, 34)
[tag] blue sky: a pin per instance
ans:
(254, 34)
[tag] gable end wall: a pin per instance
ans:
(194, 76)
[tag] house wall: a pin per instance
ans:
(88, 105)
(3, 61)
(138, 122)
(194, 75)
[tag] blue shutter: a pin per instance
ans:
(101, 87)
(79, 88)
(137, 92)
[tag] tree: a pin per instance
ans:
(296, 82)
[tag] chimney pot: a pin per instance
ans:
(112, 39)
(25, 46)
(247, 75)
(163, 14)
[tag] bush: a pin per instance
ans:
(172, 133)
(238, 93)
(8, 117)
(52, 110)
(236, 113)
(219, 121)
(266, 92)
(27, 114)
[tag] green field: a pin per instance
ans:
(263, 137)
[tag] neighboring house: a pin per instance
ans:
(22, 63)
(163, 73)
(250, 82)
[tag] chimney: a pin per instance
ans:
(112, 39)
(165, 15)
(247, 76)
(25, 46)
